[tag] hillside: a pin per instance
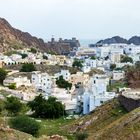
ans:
(109, 122)
(117, 39)
(12, 39)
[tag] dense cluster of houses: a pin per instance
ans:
(87, 92)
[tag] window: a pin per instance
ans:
(101, 102)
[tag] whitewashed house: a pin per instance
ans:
(103, 51)
(132, 49)
(15, 57)
(118, 75)
(99, 83)
(65, 73)
(86, 69)
(96, 93)
(42, 82)
(90, 62)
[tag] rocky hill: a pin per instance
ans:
(117, 39)
(113, 40)
(12, 39)
(135, 40)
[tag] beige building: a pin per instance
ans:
(79, 77)
(61, 59)
(19, 81)
(115, 57)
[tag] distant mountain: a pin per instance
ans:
(117, 39)
(113, 40)
(135, 40)
(12, 39)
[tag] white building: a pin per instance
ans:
(103, 51)
(86, 69)
(91, 101)
(65, 73)
(63, 96)
(99, 83)
(96, 93)
(118, 75)
(90, 62)
(42, 81)
(132, 49)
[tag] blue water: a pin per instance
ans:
(86, 42)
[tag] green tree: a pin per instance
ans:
(33, 50)
(25, 124)
(28, 67)
(137, 65)
(12, 86)
(77, 63)
(112, 66)
(93, 57)
(126, 59)
(13, 105)
(62, 83)
(43, 108)
(81, 136)
(3, 74)
(45, 57)
(2, 106)
(23, 55)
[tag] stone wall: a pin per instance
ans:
(129, 103)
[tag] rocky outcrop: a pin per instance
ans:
(117, 39)
(133, 78)
(135, 40)
(129, 103)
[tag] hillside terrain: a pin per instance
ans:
(109, 122)
(13, 39)
(117, 39)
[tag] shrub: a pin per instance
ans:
(23, 55)
(28, 68)
(12, 86)
(45, 57)
(62, 83)
(77, 63)
(126, 59)
(25, 124)
(93, 57)
(13, 105)
(3, 74)
(33, 50)
(81, 136)
(112, 66)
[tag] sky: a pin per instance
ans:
(83, 19)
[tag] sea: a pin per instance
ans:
(87, 42)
